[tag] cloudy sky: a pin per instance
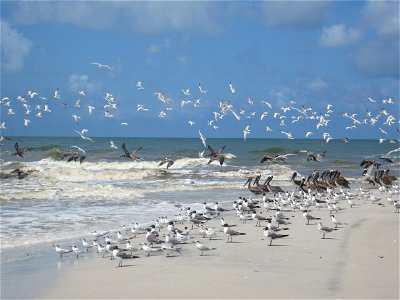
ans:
(313, 53)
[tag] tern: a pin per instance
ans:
(230, 232)
(324, 229)
(203, 248)
(62, 251)
(201, 89)
(82, 132)
(121, 255)
(336, 222)
(271, 235)
(149, 249)
(101, 65)
(203, 139)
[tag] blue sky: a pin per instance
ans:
(313, 53)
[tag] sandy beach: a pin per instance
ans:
(359, 260)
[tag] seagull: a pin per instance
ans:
(288, 134)
(383, 131)
(170, 249)
(62, 251)
(324, 229)
(76, 118)
(203, 139)
(246, 131)
(186, 92)
(57, 94)
(26, 122)
(201, 89)
(191, 123)
(82, 135)
(232, 89)
(124, 124)
(308, 134)
(140, 107)
(336, 222)
(76, 250)
(101, 65)
(149, 249)
(230, 232)
(309, 217)
(268, 104)
(272, 235)
(131, 155)
(203, 248)
(268, 129)
(112, 146)
(263, 115)
(139, 85)
(80, 149)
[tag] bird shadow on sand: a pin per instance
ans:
(274, 245)
(329, 238)
(124, 266)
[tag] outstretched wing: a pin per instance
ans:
(17, 148)
(221, 150)
(213, 153)
(136, 150)
(163, 162)
(127, 154)
(221, 160)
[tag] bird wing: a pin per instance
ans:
(127, 154)
(221, 150)
(135, 150)
(80, 149)
(213, 153)
(162, 162)
(17, 148)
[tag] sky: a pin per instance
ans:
(296, 55)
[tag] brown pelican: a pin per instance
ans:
(76, 157)
(216, 155)
(339, 179)
(276, 158)
(20, 152)
(296, 182)
(368, 163)
(386, 159)
(264, 187)
(273, 188)
(167, 161)
(21, 174)
(317, 158)
(70, 153)
(254, 189)
(131, 155)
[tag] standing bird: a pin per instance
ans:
(271, 235)
(230, 232)
(203, 248)
(324, 229)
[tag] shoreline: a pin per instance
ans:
(359, 260)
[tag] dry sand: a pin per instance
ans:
(359, 260)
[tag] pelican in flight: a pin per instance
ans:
(20, 152)
(167, 161)
(131, 155)
(216, 155)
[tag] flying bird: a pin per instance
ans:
(131, 155)
(101, 65)
(203, 139)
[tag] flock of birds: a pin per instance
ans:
(324, 192)
(378, 114)
(172, 236)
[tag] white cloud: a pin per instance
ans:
(14, 47)
(143, 17)
(317, 84)
(383, 16)
(339, 35)
(295, 13)
(78, 82)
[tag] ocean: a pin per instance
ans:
(64, 201)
